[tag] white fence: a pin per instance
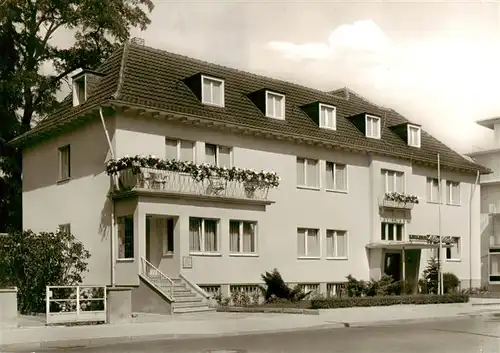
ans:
(74, 304)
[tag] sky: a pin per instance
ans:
(437, 63)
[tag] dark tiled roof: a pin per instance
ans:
(147, 77)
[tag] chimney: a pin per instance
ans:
(137, 40)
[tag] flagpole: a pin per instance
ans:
(440, 268)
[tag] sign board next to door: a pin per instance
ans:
(430, 239)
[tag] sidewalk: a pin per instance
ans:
(33, 335)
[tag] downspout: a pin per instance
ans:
(473, 190)
(113, 226)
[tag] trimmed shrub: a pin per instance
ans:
(350, 302)
(276, 287)
(450, 282)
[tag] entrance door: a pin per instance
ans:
(392, 265)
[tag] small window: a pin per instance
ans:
(203, 235)
(494, 264)
(453, 252)
(64, 162)
(308, 242)
(275, 105)
(372, 124)
(452, 193)
(307, 173)
(336, 243)
(336, 176)
(79, 90)
(242, 237)
(414, 136)
(126, 237)
(327, 116)
(432, 190)
(392, 181)
(64, 228)
(391, 231)
(218, 155)
(180, 150)
(213, 91)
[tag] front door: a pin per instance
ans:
(392, 265)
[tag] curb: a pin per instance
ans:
(236, 309)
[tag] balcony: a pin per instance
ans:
(172, 183)
(395, 200)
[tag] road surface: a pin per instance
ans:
(469, 335)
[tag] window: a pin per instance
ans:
(64, 228)
(308, 242)
(336, 243)
(213, 91)
(307, 173)
(336, 176)
(414, 136)
(126, 237)
(203, 235)
(218, 155)
(494, 265)
(391, 231)
(452, 193)
(180, 150)
(242, 237)
(64, 162)
(432, 190)
(275, 105)
(327, 118)
(79, 90)
(392, 181)
(453, 252)
(372, 126)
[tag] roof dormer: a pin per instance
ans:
(270, 103)
(83, 83)
(208, 89)
(410, 133)
(324, 115)
(368, 124)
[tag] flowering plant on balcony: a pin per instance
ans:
(199, 172)
(401, 198)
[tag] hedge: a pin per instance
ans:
(350, 302)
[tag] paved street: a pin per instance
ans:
(467, 335)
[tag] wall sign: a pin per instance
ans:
(187, 262)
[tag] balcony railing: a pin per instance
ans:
(184, 183)
(383, 202)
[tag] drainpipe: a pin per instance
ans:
(473, 190)
(113, 261)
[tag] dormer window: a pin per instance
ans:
(275, 105)
(372, 126)
(414, 134)
(79, 90)
(327, 116)
(213, 91)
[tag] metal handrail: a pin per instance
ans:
(147, 267)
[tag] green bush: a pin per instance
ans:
(31, 261)
(276, 287)
(350, 302)
(450, 282)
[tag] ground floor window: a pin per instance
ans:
(392, 231)
(203, 235)
(308, 242)
(494, 265)
(336, 243)
(242, 237)
(126, 237)
(453, 252)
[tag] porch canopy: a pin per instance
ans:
(416, 241)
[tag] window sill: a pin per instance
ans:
(453, 260)
(332, 128)
(168, 254)
(341, 258)
(433, 202)
(213, 104)
(337, 191)
(208, 254)
(125, 260)
(275, 117)
(63, 181)
(243, 255)
(308, 257)
(453, 204)
(305, 187)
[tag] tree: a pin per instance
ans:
(31, 261)
(26, 94)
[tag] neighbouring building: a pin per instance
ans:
(357, 194)
(490, 207)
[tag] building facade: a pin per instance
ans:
(358, 192)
